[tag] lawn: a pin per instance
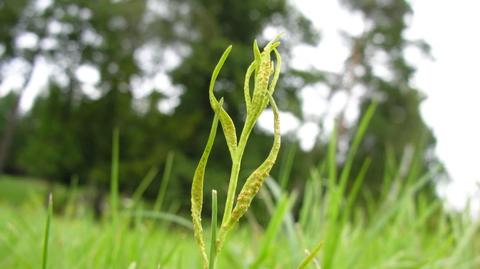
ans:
(408, 231)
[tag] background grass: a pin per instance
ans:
(325, 227)
(408, 231)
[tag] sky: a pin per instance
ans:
(450, 81)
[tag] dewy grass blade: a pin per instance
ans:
(47, 232)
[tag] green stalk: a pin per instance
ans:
(311, 256)
(114, 177)
(165, 180)
(213, 249)
(47, 231)
(236, 163)
(114, 190)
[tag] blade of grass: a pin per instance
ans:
(47, 232)
(165, 216)
(213, 241)
(272, 230)
(72, 196)
(288, 221)
(114, 196)
(352, 196)
(336, 191)
(114, 177)
(287, 164)
(142, 187)
(311, 256)
(165, 180)
(361, 130)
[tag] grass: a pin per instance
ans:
(410, 232)
(403, 228)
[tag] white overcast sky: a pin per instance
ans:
(451, 81)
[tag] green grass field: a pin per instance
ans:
(404, 230)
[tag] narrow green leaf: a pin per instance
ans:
(142, 187)
(114, 177)
(276, 75)
(47, 232)
(229, 131)
(213, 249)
(356, 186)
(169, 217)
(273, 229)
(246, 87)
(311, 256)
(256, 53)
(157, 206)
(287, 165)
(197, 190)
(362, 128)
(225, 120)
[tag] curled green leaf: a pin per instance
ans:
(246, 87)
(276, 75)
(225, 119)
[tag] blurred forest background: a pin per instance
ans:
(144, 67)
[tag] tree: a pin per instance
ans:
(397, 132)
(18, 20)
(108, 37)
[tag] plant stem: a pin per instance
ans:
(47, 231)
(213, 249)
(236, 163)
(232, 186)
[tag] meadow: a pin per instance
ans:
(319, 229)
(331, 222)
